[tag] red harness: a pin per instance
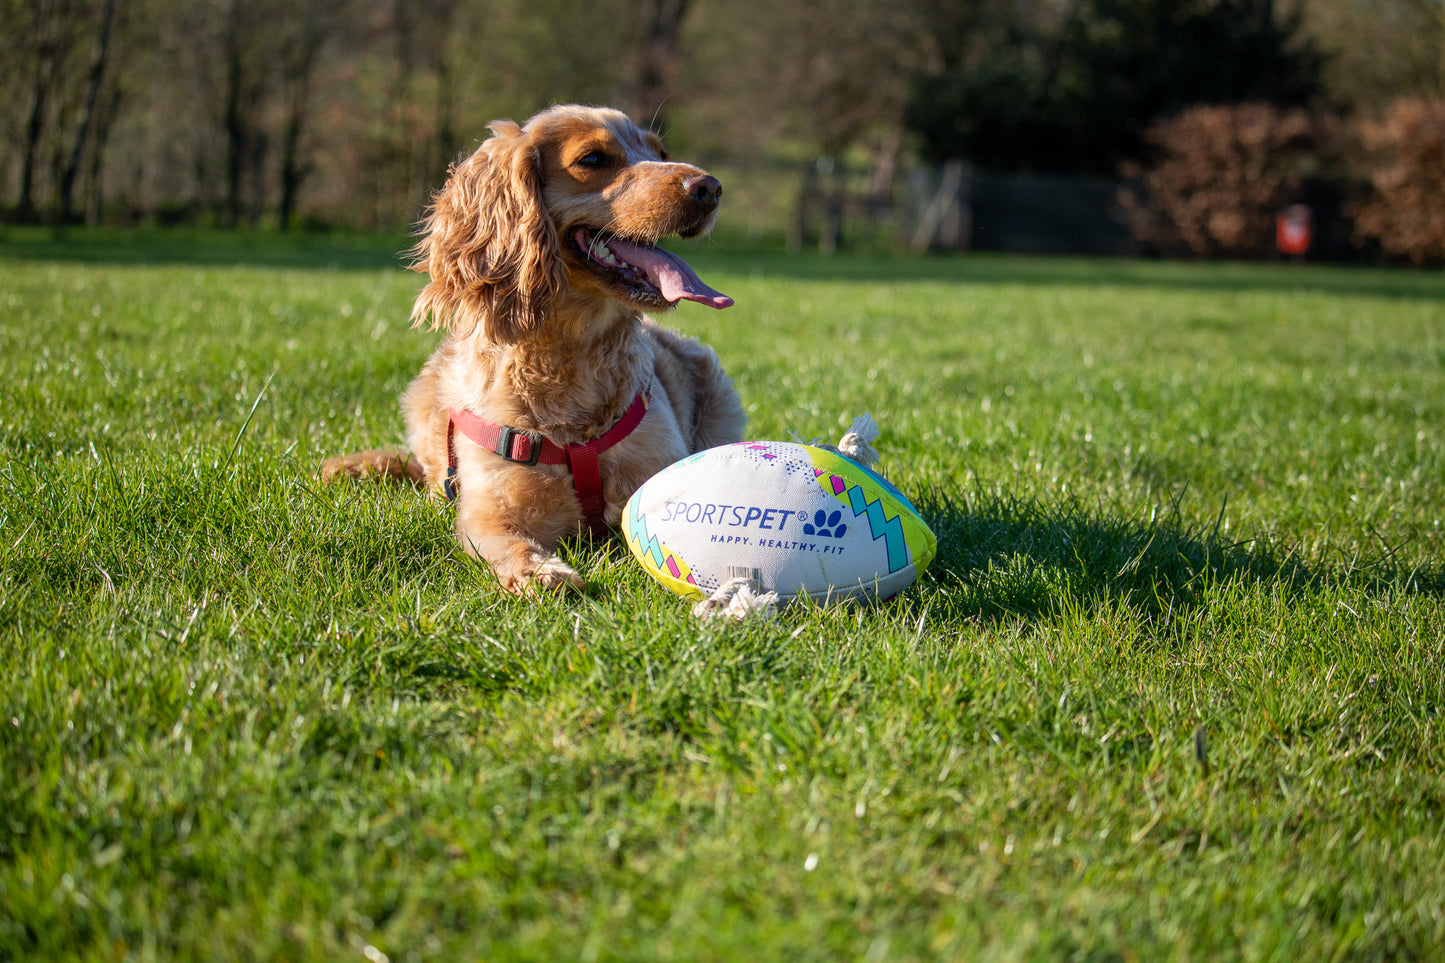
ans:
(530, 449)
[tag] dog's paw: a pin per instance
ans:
(549, 574)
(555, 575)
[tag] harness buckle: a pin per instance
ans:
(505, 436)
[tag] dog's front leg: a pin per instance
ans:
(513, 521)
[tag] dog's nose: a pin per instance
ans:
(705, 189)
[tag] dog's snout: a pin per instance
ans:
(705, 189)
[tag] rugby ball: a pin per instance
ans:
(793, 519)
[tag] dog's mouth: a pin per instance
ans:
(648, 273)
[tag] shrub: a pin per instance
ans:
(1402, 155)
(1221, 175)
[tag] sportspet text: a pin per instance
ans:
(728, 516)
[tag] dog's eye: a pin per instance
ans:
(593, 160)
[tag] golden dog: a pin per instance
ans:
(542, 254)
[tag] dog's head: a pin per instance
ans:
(574, 204)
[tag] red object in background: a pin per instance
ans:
(1292, 230)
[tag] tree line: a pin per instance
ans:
(347, 112)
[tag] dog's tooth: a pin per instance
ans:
(602, 254)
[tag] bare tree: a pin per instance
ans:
(88, 112)
(51, 28)
(1378, 51)
(245, 49)
(830, 78)
(104, 124)
(311, 27)
(658, 62)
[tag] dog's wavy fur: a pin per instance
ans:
(540, 338)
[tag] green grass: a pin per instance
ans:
(1172, 688)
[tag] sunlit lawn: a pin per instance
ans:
(1172, 688)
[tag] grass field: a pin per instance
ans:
(1171, 690)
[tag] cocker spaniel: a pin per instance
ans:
(552, 398)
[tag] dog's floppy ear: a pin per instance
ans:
(488, 245)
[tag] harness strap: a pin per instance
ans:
(528, 449)
(587, 480)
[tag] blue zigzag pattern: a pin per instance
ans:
(888, 529)
(647, 543)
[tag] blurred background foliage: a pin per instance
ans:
(835, 122)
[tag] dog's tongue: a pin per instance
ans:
(670, 273)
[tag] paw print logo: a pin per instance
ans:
(824, 525)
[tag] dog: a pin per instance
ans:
(551, 397)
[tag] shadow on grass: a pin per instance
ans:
(157, 247)
(1018, 559)
(1001, 269)
(342, 250)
